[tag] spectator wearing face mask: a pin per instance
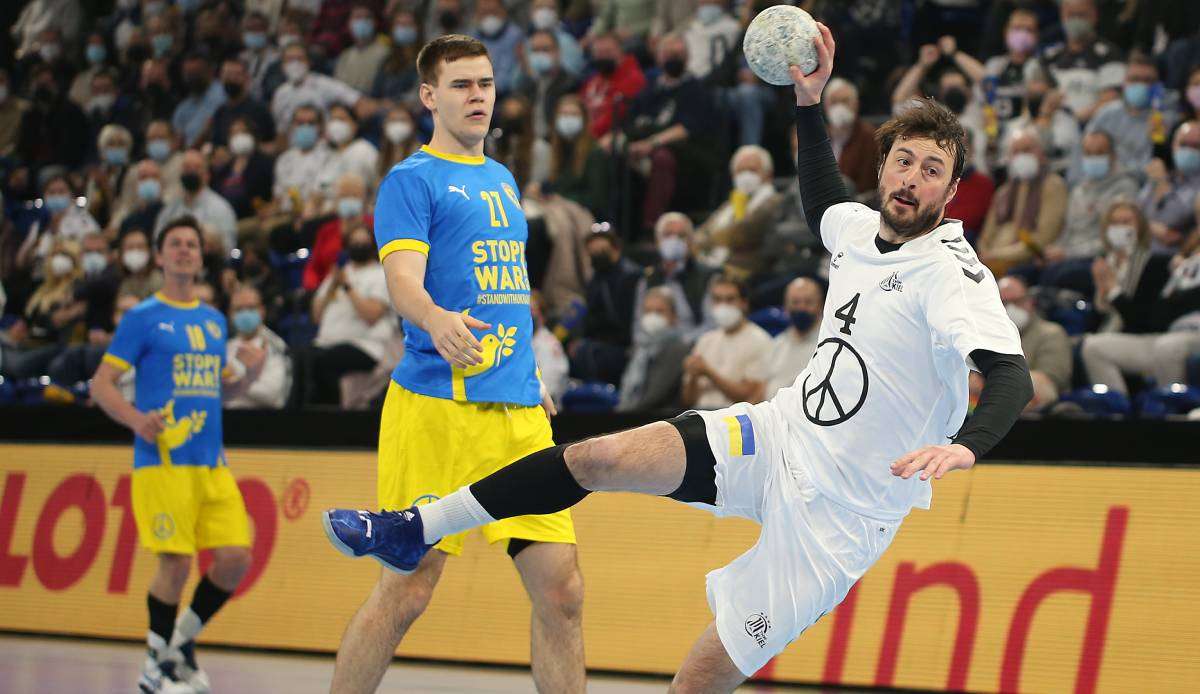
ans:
(503, 38)
(399, 140)
(1045, 344)
(1134, 122)
(544, 16)
(1043, 109)
(64, 220)
(548, 352)
(350, 203)
(446, 17)
(304, 87)
(1027, 212)
(1087, 68)
(953, 87)
(97, 287)
(729, 363)
(1012, 70)
(608, 93)
(1152, 306)
(358, 63)
(107, 106)
(50, 316)
(258, 352)
(247, 178)
(396, 81)
(544, 82)
(852, 137)
(711, 35)
(139, 275)
(602, 351)
(162, 146)
(684, 277)
(299, 170)
(111, 189)
(356, 321)
(45, 23)
(349, 152)
(240, 103)
(259, 56)
(578, 167)
(148, 195)
(200, 201)
(77, 363)
(1067, 262)
(733, 235)
(804, 302)
(1169, 198)
(654, 375)
(53, 130)
(204, 96)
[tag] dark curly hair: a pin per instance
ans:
(925, 119)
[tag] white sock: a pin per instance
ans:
(452, 514)
(186, 628)
(156, 644)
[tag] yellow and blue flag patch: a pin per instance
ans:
(741, 435)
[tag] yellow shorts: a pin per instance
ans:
(181, 509)
(429, 447)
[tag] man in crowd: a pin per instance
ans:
(729, 363)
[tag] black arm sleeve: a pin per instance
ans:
(1007, 390)
(820, 180)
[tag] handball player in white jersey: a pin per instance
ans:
(831, 465)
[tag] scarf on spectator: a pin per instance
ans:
(1006, 202)
(1128, 268)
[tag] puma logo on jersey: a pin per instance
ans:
(892, 283)
(168, 327)
(462, 190)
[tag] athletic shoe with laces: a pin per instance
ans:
(160, 675)
(186, 675)
(150, 681)
(395, 539)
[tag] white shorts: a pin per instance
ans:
(809, 553)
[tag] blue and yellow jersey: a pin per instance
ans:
(465, 214)
(178, 350)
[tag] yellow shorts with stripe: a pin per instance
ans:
(181, 509)
(429, 447)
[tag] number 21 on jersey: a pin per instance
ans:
(495, 204)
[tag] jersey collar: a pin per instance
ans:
(456, 158)
(948, 224)
(176, 304)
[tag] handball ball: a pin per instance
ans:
(778, 37)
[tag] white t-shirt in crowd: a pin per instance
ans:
(738, 356)
(341, 323)
(790, 352)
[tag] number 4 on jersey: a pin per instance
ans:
(846, 314)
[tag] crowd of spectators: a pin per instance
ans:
(667, 243)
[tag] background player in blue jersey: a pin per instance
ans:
(464, 400)
(184, 497)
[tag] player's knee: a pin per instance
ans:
(1092, 348)
(233, 563)
(593, 461)
(564, 599)
(175, 568)
(404, 598)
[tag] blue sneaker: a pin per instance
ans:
(395, 539)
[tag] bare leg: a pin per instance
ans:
(167, 584)
(649, 459)
(550, 572)
(371, 637)
(707, 668)
(229, 565)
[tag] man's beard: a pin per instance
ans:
(922, 220)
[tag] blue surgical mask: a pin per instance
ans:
(57, 203)
(1094, 167)
(304, 136)
(707, 14)
(254, 40)
(1187, 160)
(149, 190)
(158, 150)
(162, 44)
(349, 207)
(404, 35)
(246, 321)
(1137, 94)
(116, 156)
(802, 320)
(96, 53)
(362, 28)
(540, 62)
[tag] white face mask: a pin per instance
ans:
(672, 249)
(339, 131)
(135, 259)
(840, 115)
(1121, 236)
(241, 144)
(654, 323)
(568, 125)
(398, 131)
(490, 24)
(545, 18)
(1023, 166)
(726, 315)
(747, 182)
(295, 70)
(93, 262)
(1019, 316)
(61, 264)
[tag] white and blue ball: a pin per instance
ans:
(777, 38)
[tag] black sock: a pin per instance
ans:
(162, 617)
(537, 484)
(207, 599)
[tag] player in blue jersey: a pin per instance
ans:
(466, 399)
(184, 497)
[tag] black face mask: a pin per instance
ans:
(44, 94)
(190, 182)
(674, 67)
(606, 66)
(195, 85)
(802, 320)
(233, 90)
(955, 99)
(137, 53)
(602, 263)
(360, 252)
(448, 20)
(1034, 103)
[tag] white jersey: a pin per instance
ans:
(889, 374)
